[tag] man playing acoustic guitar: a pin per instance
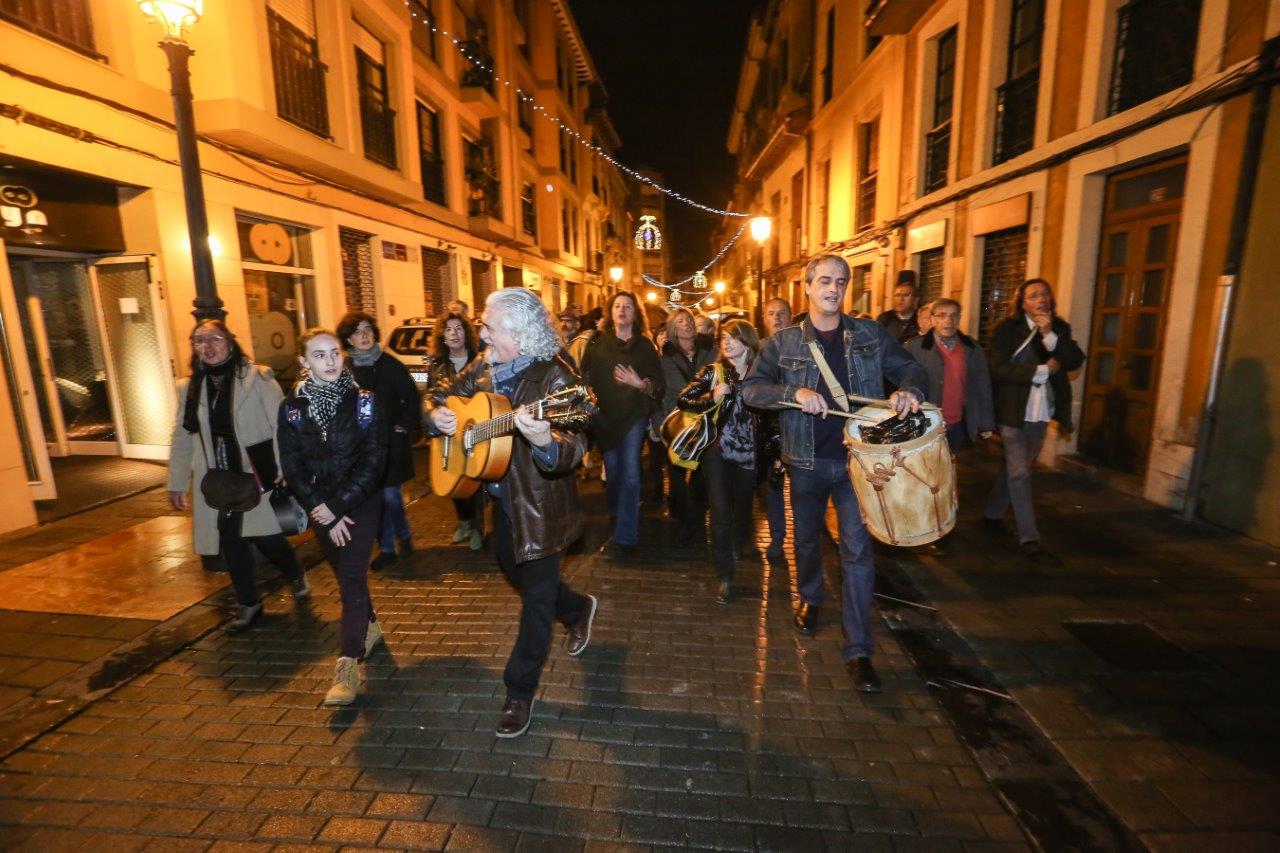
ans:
(536, 513)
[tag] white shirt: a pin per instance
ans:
(1040, 400)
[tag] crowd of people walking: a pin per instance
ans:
(726, 414)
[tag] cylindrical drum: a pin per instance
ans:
(907, 491)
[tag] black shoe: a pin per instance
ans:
(724, 592)
(616, 551)
(863, 675)
(382, 561)
(406, 548)
(1032, 550)
(580, 634)
(774, 552)
(514, 721)
(805, 619)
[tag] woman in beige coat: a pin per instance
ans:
(227, 415)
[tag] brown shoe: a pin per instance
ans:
(863, 675)
(805, 619)
(580, 634)
(515, 718)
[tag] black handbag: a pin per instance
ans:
(293, 519)
(228, 491)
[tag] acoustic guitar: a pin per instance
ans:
(480, 448)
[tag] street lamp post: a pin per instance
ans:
(761, 228)
(176, 16)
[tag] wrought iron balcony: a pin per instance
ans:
(484, 190)
(1155, 50)
(937, 154)
(479, 70)
(1016, 116)
(299, 76)
(378, 126)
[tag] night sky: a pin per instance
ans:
(671, 69)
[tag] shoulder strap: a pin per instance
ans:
(833, 385)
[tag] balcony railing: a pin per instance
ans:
(937, 153)
(67, 22)
(866, 202)
(1155, 50)
(378, 126)
(432, 178)
(484, 190)
(529, 216)
(479, 70)
(299, 77)
(595, 262)
(1016, 116)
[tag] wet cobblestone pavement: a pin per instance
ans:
(683, 724)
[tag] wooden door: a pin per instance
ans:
(1135, 272)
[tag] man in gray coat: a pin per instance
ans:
(959, 382)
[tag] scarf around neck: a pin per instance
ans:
(323, 399)
(217, 373)
(366, 358)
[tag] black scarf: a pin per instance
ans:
(323, 399)
(222, 373)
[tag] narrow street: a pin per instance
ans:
(689, 724)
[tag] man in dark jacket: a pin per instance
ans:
(959, 383)
(900, 320)
(786, 376)
(536, 510)
(1031, 354)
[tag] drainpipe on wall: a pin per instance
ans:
(1229, 280)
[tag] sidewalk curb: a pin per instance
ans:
(1056, 808)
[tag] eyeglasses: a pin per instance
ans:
(212, 339)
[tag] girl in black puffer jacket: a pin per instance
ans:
(333, 449)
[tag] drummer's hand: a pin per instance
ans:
(444, 419)
(903, 402)
(811, 402)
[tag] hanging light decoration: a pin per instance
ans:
(648, 237)
(675, 297)
(700, 280)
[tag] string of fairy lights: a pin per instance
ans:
(648, 236)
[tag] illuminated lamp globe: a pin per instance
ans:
(651, 296)
(174, 15)
(615, 274)
(710, 300)
(761, 229)
(719, 287)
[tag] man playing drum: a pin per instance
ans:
(861, 355)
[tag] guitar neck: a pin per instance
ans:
(494, 427)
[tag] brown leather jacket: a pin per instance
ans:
(543, 504)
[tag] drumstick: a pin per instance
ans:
(853, 416)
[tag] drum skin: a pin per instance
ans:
(907, 491)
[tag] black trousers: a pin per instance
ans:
(350, 564)
(730, 490)
(237, 552)
(543, 599)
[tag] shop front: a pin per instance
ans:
(82, 325)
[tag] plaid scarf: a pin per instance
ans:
(323, 398)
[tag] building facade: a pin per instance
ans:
(1097, 144)
(368, 155)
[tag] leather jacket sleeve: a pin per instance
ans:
(289, 441)
(571, 445)
(367, 473)
(697, 396)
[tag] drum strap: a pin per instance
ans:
(833, 385)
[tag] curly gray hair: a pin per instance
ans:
(524, 314)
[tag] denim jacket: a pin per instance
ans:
(785, 365)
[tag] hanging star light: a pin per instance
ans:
(700, 280)
(648, 237)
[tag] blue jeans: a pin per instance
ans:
(622, 486)
(393, 524)
(775, 512)
(810, 489)
(1013, 485)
